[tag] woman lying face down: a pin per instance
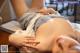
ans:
(55, 34)
(63, 44)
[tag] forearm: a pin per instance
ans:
(19, 7)
(37, 4)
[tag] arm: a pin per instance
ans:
(19, 6)
(37, 4)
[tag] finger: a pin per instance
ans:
(29, 45)
(30, 36)
(51, 11)
(30, 39)
(32, 42)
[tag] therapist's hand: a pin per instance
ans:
(47, 11)
(20, 38)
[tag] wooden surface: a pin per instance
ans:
(4, 41)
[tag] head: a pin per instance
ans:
(64, 44)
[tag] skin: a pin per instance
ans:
(47, 34)
(20, 6)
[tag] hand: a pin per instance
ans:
(20, 38)
(47, 11)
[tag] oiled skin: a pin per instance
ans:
(47, 34)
